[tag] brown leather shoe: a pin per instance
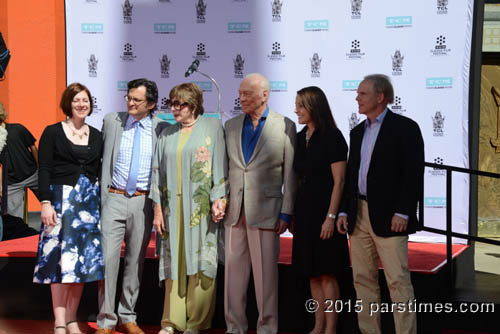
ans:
(105, 331)
(131, 328)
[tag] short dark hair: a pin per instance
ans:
(191, 94)
(68, 95)
(382, 85)
(151, 90)
(316, 103)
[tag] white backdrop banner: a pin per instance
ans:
(423, 46)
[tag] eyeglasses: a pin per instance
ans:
(133, 100)
(176, 105)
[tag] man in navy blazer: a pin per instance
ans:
(384, 185)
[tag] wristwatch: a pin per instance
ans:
(331, 215)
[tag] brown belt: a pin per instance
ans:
(123, 192)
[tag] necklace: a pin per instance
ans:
(75, 133)
(187, 125)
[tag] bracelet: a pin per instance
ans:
(46, 201)
(331, 216)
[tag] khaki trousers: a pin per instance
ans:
(257, 249)
(366, 249)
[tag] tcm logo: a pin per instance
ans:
(316, 25)
(239, 27)
(206, 86)
(122, 85)
(92, 28)
(435, 202)
(436, 83)
(278, 86)
(350, 84)
(398, 21)
(165, 28)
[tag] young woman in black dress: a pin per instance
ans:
(320, 254)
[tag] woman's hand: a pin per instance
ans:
(48, 214)
(327, 229)
(158, 221)
(218, 209)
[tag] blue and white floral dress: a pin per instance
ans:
(71, 251)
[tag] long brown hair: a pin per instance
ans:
(316, 103)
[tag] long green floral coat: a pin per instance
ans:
(204, 179)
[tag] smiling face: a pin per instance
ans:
(370, 103)
(137, 104)
(80, 105)
(303, 115)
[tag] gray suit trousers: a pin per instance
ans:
(129, 219)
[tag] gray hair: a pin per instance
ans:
(382, 84)
(261, 79)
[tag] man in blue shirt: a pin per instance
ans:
(129, 141)
(384, 183)
(260, 148)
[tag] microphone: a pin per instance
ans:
(192, 68)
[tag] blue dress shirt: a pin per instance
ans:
(249, 138)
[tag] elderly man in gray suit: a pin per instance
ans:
(129, 142)
(260, 147)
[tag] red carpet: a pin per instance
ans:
(422, 257)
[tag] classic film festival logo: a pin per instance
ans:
(239, 64)
(165, 28)
(164, 106)
(439, 83)
(278, 86)
(239, 27)
(236, 108)
(315, 66)
(440, 48)
(397, 63)
(96, 109)
(276, 53)
(434, 171)
(442, 6)
(276, 10)
(353, 120)
(398, 21)
(201, 11)
(397, 107)
(355, 50)
(201, 54)
(92, 62)
(128, 54)
(127, 12)
(356, 9)
(164, 66)
(438, 124)
(316, 25)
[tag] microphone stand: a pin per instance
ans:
(219, 110)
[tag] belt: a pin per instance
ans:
(123, 192)
(363, 197)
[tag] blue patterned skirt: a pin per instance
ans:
(71, 251)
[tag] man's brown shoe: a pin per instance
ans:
(131, 328)
(105, 331)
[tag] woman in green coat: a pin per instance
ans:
(189, 187)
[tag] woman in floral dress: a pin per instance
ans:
(69, 249)
(188, 186)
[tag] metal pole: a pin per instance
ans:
(219, 110)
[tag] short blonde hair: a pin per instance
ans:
(3, 113)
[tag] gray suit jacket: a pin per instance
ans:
(112, 130)
(267, 185)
